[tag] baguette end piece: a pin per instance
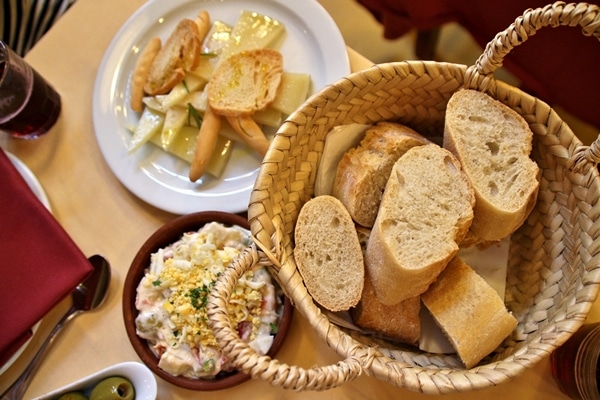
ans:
(469, 311)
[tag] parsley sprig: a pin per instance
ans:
(199, 296)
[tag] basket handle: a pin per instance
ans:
(480, 75)
(245, 359)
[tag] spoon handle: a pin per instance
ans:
(19, 387)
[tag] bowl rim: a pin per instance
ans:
(163, 236)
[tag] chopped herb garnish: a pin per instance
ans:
(185, 86)
(209, 54)
(274, 327)
(199, 296)
(193, 113)
(208, 365)
(156, 282)
(194, 295)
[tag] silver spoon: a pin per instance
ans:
(88, 295)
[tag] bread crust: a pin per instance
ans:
(426, 210)
(328, 254)
(400, 322)
(469, 312)
(363, 172)
(493, 144)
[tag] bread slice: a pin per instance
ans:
(426, 209)
(180, 53)
(328, 254)
(400, 322)
(245, 82)
(493, 143)
(469, 312)
(363, 171)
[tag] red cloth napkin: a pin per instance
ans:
(558, 65)
(39, 263)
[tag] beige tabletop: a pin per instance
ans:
(102, 216)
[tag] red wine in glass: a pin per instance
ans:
(27, 114)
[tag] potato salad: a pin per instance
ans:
(172, 302)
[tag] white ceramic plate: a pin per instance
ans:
(313, 44)
(138, 374)
(39, 192)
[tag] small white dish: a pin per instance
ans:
(141, 377)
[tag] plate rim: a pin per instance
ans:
(30, 178)
(129, 172)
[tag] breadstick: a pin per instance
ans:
(203, 23)
(250, 132)
(140, 73)
(205, 145)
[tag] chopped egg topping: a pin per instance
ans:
(173, 295)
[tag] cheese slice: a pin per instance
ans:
(252, 31)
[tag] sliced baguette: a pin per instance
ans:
(493, 144)
(328, 253)
(400, 322)
(362, 173)
(469, 312)
(180, 53)
(426, 209)
(246, 82)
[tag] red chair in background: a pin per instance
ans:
(558, 65)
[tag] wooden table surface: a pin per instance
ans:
(102, 216)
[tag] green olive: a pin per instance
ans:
(113, 388)
(73, 396)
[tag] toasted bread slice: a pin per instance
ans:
(426, 210)
(180, 53)
(363, 171)
(469, 311)
(493, 143)
(328, 253)
(245, 82)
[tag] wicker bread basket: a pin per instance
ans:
(554, 260)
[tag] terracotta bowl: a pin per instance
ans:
(167, 234)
